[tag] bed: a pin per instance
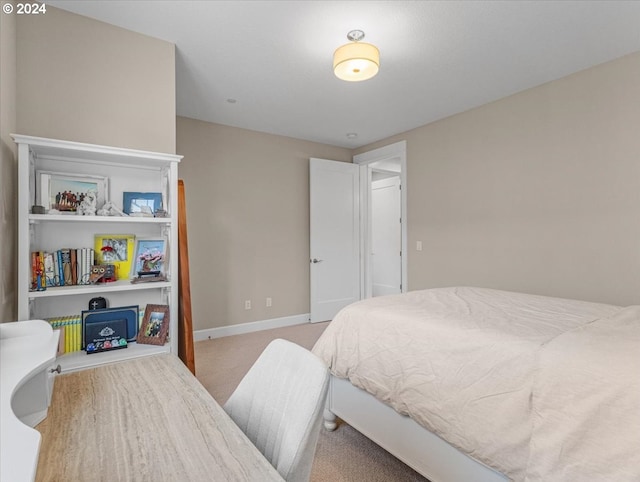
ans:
(477, 384)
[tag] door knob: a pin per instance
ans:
(314, 260)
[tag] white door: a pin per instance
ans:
(386, 240)
(334, 237)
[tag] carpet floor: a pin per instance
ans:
(344, 455)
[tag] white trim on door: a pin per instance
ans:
(392, 152)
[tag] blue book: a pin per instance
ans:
(60, 267)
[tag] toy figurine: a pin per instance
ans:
(103, 273)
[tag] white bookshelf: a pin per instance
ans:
(127, 170)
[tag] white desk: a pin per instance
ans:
(27, 352)
(147, 419)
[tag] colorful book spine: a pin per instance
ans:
(65, 255)
(82, 261)
(56, 268)
(34, 269)
(73, 255)
(71, 327)
(63, 267)
(38, 280)
(60, 268)
(49, 273)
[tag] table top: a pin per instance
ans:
(146, 419)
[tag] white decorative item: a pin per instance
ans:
(110, 209)
(87, 206)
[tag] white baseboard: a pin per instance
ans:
(250, 327)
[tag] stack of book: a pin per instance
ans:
(70, 332)
(63, 267)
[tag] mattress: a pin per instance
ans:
(464, 363)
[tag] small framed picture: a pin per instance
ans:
(141, 203)
(115, 249)
(63, 193)
(150, 258)
(155, 325)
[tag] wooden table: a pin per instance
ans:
(147, 419)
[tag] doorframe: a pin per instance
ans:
(394, 151)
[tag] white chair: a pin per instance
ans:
(279, 405)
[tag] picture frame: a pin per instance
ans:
(131, 315)
(155, 325)
(115, 249)
(63, 192)
(136, 202)
(150, 258)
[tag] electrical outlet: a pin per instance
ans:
(418, 245)
(269, 302)
(247, 305)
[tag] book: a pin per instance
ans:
(74, 266)
(60, 268)
(65, 254)
(49, 273)
(38, 280)
(56, 269)
(60, 341)
(34, 269)
(81, 258)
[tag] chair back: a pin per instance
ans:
(279, 405)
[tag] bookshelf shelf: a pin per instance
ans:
(123, 285)
(121, 171)
(68, 218)
(79, 360)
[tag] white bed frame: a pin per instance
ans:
(399, 435)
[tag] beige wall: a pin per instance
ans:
(88, 81)
(538, 192)
(8, 168)
(247, 196)
(70, 77)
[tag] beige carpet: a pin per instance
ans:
(343, 455)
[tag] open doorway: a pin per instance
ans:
(383, 220)
(386, 232)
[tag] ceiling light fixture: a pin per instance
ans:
(356, 61)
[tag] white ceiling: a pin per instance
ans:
(437, 58)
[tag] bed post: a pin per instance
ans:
(329, 420)
(329, 417)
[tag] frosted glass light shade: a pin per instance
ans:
(356, 61)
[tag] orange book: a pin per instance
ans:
(34, 269)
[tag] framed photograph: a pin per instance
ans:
(141, 202)
(64, 192)
(115, 249)
(155, 325)
(94, 318)
(150, 258)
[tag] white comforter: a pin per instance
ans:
(474, 365)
